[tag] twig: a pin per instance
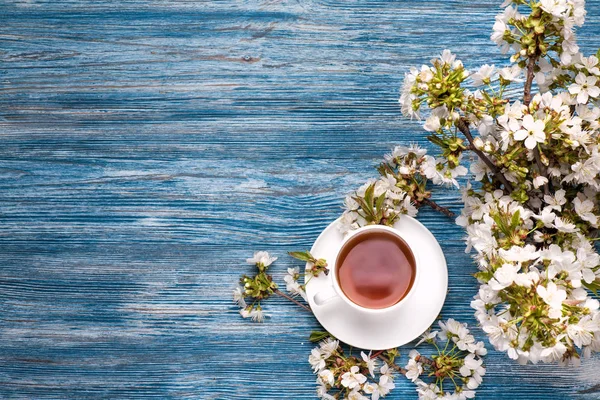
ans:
(393, 365)
(285, 296)
(464, 128)
(527, 100)
(425, 360)
(377, 353)
(438, 208)
(529, 80)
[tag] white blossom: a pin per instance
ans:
(356, 395)
(353, 378)
(328, 347)
(292, 285)
(590, 64)
(261, 257)
(327, 377)
(585, 87)
(381, 389)
(238, 297)
(558, 8)
(484, 75)
(532, 132)
(584, 208)
(554, 297)
(554, 353)
(414, 369)
(317, 360)
(511, 73)
(564, 225)
(371, 362)
(582, 333)
(257, 315)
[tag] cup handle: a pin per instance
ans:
(325, 296)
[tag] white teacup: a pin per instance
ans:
(335, 291)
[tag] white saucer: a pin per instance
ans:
(394, 328)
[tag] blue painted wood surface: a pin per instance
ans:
(148, 147)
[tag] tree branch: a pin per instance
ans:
(425, 360)
(464, 128)
(377, 353)
(529, 80)
(393, 365)
(285, 296)
(438, 208)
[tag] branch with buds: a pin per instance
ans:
(456, 367)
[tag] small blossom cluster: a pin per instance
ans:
(439, 85)
(258, 287)
(533, 213)
(349, 377)
(560, 135)
(292, 285)
(400, 189)
(539, 28)
(458, 361)
(376, 202)
(534, 266)
(411, 168)
(314, 267)
(450, 103)
(261, 286)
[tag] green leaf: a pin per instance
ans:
(369, 195)
(497, 220)
(501, 224)
(367, 208)
(379, 204)
(436, 140)
(391, 354)
(393, 218)
(516, 220)
(384, 169)
(486, 96)
(301, 255)
(317, 336)
(484, 276)
(593, 287)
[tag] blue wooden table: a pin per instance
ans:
(148, 147)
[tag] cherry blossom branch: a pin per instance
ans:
(438, 208)
(464, 128)
(393, 365)
(285, 296)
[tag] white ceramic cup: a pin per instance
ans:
(335, 291)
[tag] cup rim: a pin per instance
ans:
(341, 293)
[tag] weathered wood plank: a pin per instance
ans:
(148, 147)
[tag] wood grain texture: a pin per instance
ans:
(147, 147)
